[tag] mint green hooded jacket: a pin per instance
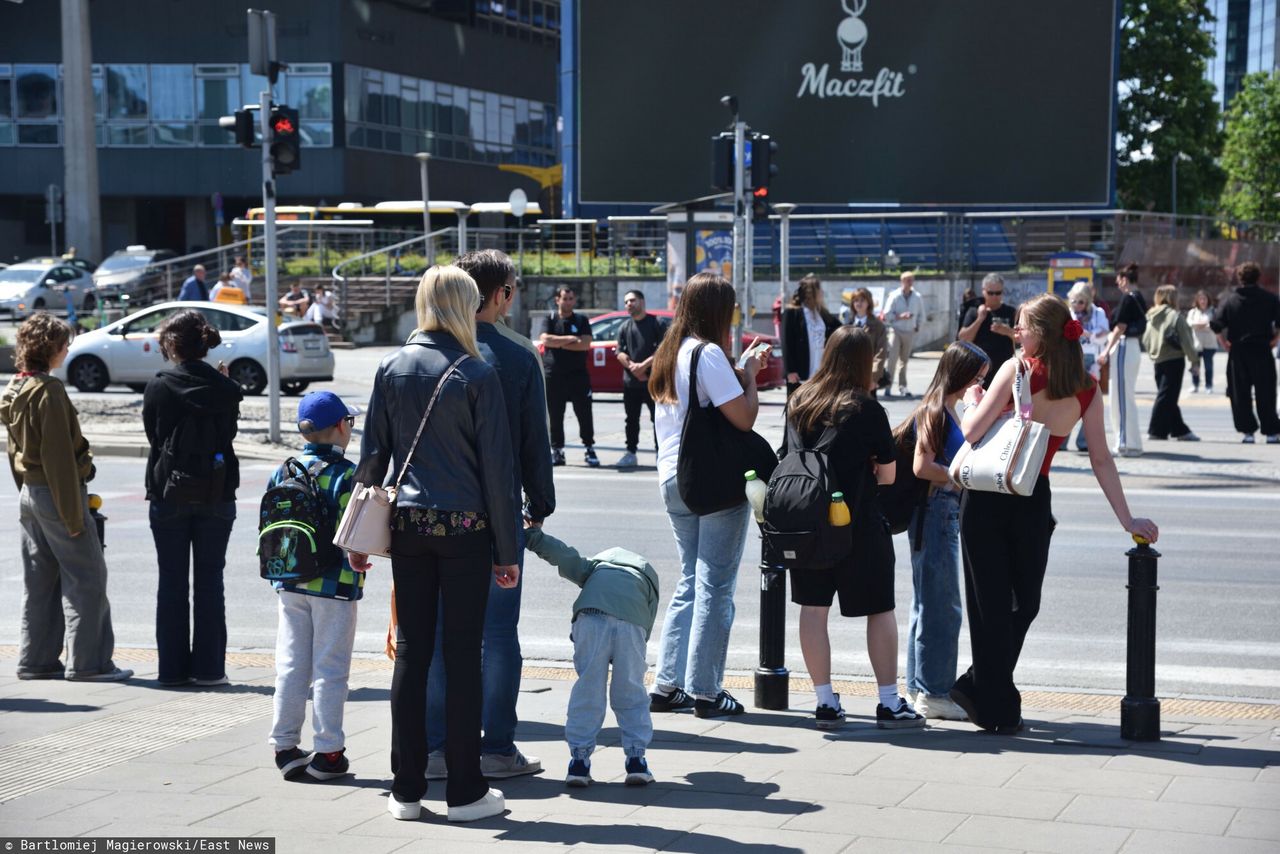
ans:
(620, 583)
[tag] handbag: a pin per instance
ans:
(1008, 458)
(714, 454)
(366, 523)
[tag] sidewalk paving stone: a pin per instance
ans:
(1151, 815)
(889, 822)
(1201, 766)
(1257, 823)
(719, 808)
(840, 789)
(1054, 837)
(1171, 842)
(735, 839)
(1193, 790)
(986, 800)
(1118, 784)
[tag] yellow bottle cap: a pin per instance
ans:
(95, 502)
(1141, 540)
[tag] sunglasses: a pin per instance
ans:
(995, 293)
(351, 420)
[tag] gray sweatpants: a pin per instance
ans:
(313, 650)
(58, 567)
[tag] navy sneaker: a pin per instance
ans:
(827, 717)
(673, 702)
(557, 456)
(292, 762)
(329, 766)
(902, 717)
(592, 459)
(721, 706)
(579, 776)
(638, 771)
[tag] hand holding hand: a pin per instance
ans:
(507, 575)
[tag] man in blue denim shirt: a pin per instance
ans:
(523, 388)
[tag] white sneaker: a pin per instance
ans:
(402, 811)
(627, 461)
(495, 766)
(939, 707)
(490, 805)
(436, 767)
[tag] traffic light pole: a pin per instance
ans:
(269, 241)
(739, 228)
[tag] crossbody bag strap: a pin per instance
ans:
(423, 424)
(1021, 388)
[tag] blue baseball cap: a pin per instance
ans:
(321, 410)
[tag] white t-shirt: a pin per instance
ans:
(817, 329)
(717, 385)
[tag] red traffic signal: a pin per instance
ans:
(286, 143)
(283, 124)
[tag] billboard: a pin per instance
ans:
(872, 102)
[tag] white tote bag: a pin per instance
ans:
(366, 523)
(1008, 458)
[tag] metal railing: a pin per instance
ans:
(406, 260)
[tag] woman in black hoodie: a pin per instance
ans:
(190, 413)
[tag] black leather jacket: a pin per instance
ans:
(463, 461)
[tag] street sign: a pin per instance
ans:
(519, 202)
(262, 44)
(53, 204)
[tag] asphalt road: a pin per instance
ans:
(1216, 503)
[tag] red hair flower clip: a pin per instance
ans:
(1072, 330)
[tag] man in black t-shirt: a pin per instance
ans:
(990, 325)
(1248, 326)
(638, 340)
(566, 337)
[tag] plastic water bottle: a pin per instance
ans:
(756, 490)
(838, 512)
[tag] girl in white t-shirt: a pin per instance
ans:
(695, 632)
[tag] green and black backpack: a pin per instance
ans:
(296, 526)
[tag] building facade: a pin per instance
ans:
(473, 82)
(1245, 34)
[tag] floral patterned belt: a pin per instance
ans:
(430, 522)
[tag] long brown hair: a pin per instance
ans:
(957, 369)
(705, 312)
(1063, 360)
(841, 383)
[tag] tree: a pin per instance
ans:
(1251, 153)
(1167, 107)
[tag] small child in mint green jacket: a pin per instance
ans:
(612, 619)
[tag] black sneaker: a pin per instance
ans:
(557, 456)
(638, 771)
(721, 706)
(592, 459)
(329, 766)
(903, 717)
(579, 776)
(827, 717)
(292, 762)
(673, 702)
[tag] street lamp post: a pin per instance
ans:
(423, 158)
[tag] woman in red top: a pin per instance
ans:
(1005, 538)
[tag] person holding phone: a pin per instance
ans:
(990, 325)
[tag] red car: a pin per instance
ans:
(606, 373)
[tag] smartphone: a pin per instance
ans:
(761, 347)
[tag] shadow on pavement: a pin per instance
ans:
(646, 836)
(33, 704)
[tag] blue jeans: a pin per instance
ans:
(190, 590)
(933, 639)
(695, 631)
(501, 663)
(599, 639)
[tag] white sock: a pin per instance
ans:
(889, 696)
(826, 697)
(664, 690)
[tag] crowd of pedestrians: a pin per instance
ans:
(467, 423)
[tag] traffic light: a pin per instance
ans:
(241, 124)
(763, 148)
(722, 161)
(760, 204)
(286, 143)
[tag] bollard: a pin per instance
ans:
(1140, 710)
(95, 505)
(772, 680)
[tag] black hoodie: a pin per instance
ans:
(191, 388)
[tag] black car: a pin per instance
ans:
(133, 272)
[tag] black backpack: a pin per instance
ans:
(296, 526)
(796, 530)
(196, 471)
(900, 499)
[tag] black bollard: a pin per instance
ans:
(1140, 710)
(772, 679)
(95, 504)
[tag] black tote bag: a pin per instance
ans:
(714, 455)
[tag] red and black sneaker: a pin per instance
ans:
(329, 766)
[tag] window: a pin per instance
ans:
(311, 96)
(149, 322)
(225, 321)
(37, 91)
(126, 92)
(172, 96)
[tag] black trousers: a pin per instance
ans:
(448, 576)
(1251, 371)
(576, 390)
(634, 399)
(1004, 541)
(1166, 415)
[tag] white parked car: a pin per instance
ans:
(43, 284)
(128, 351)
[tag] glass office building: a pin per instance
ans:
(1245, 34)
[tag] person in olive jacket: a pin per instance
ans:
(61, 553)
(612, 619)
(1170, 344)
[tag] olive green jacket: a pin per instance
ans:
(1160, 320)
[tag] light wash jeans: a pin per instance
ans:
(501, 662)
(933, 638)
(313, 648)
(598, 640)
(695, 631)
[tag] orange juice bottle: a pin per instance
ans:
(838, 512)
